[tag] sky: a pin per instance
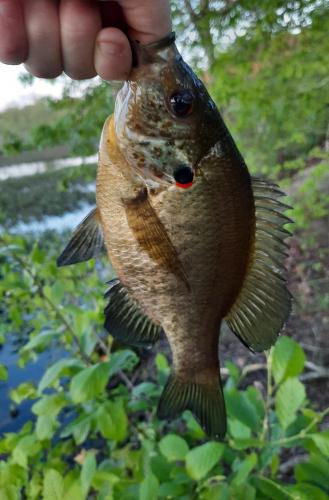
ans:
(13, 92)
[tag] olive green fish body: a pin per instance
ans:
(210, 226)
(192, 237)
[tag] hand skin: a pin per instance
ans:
(83, 38)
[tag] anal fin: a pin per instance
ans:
(264, 302)
(125, 320)
(86, 243)
(205, 401)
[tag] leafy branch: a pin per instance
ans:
(303, 434)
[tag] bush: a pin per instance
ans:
(94, 433)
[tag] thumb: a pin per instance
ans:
(113, 56)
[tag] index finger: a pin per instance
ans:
(13, 39)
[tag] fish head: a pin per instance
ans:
(165, 120)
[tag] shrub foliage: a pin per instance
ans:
(93, 431)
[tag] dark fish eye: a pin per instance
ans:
(181, 103)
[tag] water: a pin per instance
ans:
(59, 223)
(32, 372)
(39, 167)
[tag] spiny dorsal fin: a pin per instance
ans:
(264, 302)
(126, 321)
(206, 402)
(86, 243)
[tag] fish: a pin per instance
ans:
(193, 238)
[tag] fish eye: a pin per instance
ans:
(181, 103)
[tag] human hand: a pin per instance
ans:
(81, 37)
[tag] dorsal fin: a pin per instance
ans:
(125, 320)
(86, 243)
(264, 302)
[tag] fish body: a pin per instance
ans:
(192, 237)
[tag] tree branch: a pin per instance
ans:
(191, 12)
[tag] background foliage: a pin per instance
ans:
(93, 432)
(94, 429)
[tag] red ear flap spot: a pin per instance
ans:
(183, 176)
(184, 186)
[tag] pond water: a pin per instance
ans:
(12, 418)
(39, 167)
(66, 220)
(58, 223)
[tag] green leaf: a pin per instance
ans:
(56, 370)
(275, 464)
(271, 489)
(234, 371)
(219, 491)
(194, 428)
(22, 392)
(50, 405)
(238, 430)
(321, 440)
(112, 420)
(10, 492)
(314, 471)
(244, 468)
(45, 427)
(37, 255)
(73, 492)
(55, 293)
(171, 489)
(240, 405)
(90, 382)
(53, 485)
(242, 491)
(3, 373)
(19, 457)
(305, 491)
(79, 428)
(173, 447)
(122, 360)
(289, 398)
(102, 477)
(88, 470)
(26, 447)
(40, 340)
(288, 359)
(202, 459)
(161, 363)
(149, 488)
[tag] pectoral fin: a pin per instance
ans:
(264, 302)
(86, 243)
(151, 234)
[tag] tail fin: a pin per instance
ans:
(206, 402)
